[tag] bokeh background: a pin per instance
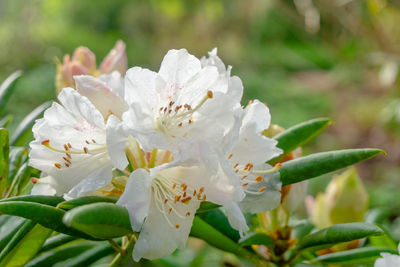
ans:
(304, 58)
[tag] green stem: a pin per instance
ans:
(122, 258)
(116, 247)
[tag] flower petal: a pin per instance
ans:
(116, 142)
(136, 197)
(101, 95)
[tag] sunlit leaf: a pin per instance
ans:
(70, 204)
(57, 240)
(314, 165)
(299, 135)
(7, 87)
(4, 160)
(206, 232)
(45, 215)
(60, 254)
(339, 233)
(27, 247)
(46, 200)
(358, 255)
(100, 220)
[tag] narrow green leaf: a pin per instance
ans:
(100, 220)
(299, 135)
(23, 230)
(17, 157)
(314, 165)
(4, 160)
(370, 253)
(217, 219)
(9, 226)
(70, 204)
(45, 215)
(91, 255)
(206, 232)
(339, 233)
(4, 122)
(27, 247)
(56, 241)
(206, 206)
(257, 239)
(60, 254)
(7, 87)
(46, 200)
(24, 128)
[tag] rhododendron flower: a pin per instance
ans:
(70, 140)
(83, 62)
(183, 102)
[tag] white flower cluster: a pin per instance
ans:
(180, 136)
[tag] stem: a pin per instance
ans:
(122, 258)
(116, 247)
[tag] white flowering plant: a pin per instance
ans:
(129, 163)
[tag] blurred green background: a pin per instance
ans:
(304, 58)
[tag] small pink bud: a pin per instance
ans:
(85, 57)
(115, 60)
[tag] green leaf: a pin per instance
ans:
(206, 206)
(257, 239)
(46, 200)
(45, 215)
(24, 128)
(217, 219)
(4, 122)
(22, 231)
(314, 165)
(339, 233)
(351, 256)
(17, 157)
(4, 160)
(7, 87)
(206, 232)
(56, 241)
(70, 204)
(100, 220)
(9, 226)
(299, 135)
(92, 255)
(60, 254)
(27, 247)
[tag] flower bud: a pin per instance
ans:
(115, 60)
(83, 62)
(345, 200)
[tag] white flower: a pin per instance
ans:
(162, 203)
(183, 102)
(70, 140)
(388, 260)
(246, 157)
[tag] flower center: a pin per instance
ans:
(175, 116)
(68, 151)
(174, 198)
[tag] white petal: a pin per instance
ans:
(47, 186)
(236, 218)
(101, 95)
(140, 87)
(95, 180)
(256, 116)
(269, 199)
(159, 237)
(115, 82)
(136, 197)
(116, 142)
(178, 66)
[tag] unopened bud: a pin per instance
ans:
(115, 60)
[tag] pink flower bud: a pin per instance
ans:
(84, 57)
(115, 60)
